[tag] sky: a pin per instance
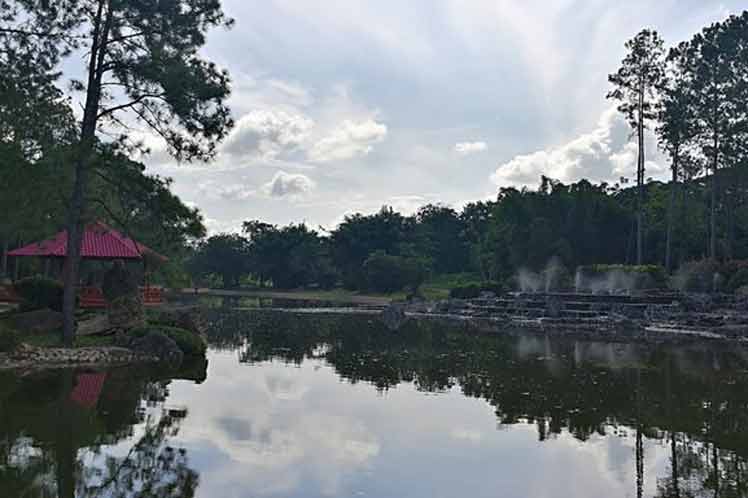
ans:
(344, 107)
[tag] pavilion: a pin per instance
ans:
(100, 242)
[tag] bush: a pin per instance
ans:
(9, 339)
(467, 291)
(473, 290)
(620, 277)
(39, 292)
(738, 280)
(697, 276)
(190, 343)
(385, 273)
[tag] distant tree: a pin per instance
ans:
(715, 61)
(358, 236)
(441, 233)
(226, 255)
(290, 256)
(676, 128)
(635, 88)
(476, 219)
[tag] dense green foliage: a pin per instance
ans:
(386, 273)
(190, 343)
(39, 292)
(9, 339)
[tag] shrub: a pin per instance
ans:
(9, 339)
(738, 280)
(190, 343)
(619, 277)
(386, 273)
(39, 292)
(474, 289)
(697, 276)
(467, 291)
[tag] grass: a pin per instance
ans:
(435, 288)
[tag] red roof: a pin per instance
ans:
(99, 241)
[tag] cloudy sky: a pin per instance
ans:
(347, 106)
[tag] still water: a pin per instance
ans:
(308, 405)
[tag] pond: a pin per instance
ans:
(324, 404)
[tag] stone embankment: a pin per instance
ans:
(654, 317)
(33, 357)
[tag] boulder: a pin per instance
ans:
(126, 312)
(187, 318)
(393, 316)
(158, 345)
(44, 320)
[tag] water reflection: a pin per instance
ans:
(690, 400)
(331, 405)
(61, 432)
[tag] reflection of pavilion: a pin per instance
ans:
(88, 389)
(100, 243)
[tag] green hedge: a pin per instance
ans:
(474, 289)
(191, 344)
(39, 292)
(644, 276)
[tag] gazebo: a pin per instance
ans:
(100, 242)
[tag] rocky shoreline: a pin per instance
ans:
(28, 357)
(656, 318)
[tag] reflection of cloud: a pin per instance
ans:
(264, 431)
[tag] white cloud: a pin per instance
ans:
(289, 185)
(348, 140)
(466, 148)
(604, 154)
(267, 133)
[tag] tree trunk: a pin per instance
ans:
(100, 36)
(4, 270)
(671, 213)
(713, 204)
(729, 195)
(640, 178)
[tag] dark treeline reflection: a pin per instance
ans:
(692, 400)
(55, 427)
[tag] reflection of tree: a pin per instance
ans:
(151, 467)
(556, 385)
(43, 430)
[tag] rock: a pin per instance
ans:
(95, 325)
(126, 312)
(393, 316)
(44, 320)
(189, 318)
(158, 345)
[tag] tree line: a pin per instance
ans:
(692, 96)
